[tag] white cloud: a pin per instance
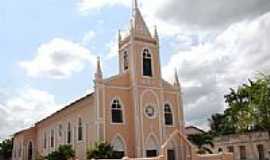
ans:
(86, 5)
(88, 37)
(210, 13)
(174, 16)
(209, 69)
(112, 48)
(148, 9)
(23, 107)
(58, 59)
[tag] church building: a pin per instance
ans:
(136, 111)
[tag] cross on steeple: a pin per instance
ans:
(134, 7)
(137, 21)
(135, 4)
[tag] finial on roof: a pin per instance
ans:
(135, 4)
(119, 35)
(176, 78)
(156, 33)
(134, 7)
(98, 74)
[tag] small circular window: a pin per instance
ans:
(149, 111)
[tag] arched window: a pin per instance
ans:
(45, 140)
(30, 151)
(118, 148)
(168, 115)
(147, 63)
(20, 150)
(125, 60)
(60, 128)
(15, 151)
(151, 147)
(52, 138)
(80, 130)
(69, 133)
(117, 115)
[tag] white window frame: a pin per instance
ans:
(82, 125)
(122, 109)
(152, 63)
(172, 112)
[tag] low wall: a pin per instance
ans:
(221, 156)
(189, 151)
(126, 158)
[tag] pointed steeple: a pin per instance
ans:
(156, 36)
(138, 23)
(176, 79)
(98, 74)
(134, 7)
(119, 36)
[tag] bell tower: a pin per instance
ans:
(139, 51)
(139, 57)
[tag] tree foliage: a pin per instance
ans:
(248, 109)
(6, 148)
(40, 157)
(64, 152)
(100, 150)
(203, 142)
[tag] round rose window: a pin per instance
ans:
(149, 111)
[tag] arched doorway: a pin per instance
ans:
(118, 148)
(30, 151)
(151, 146)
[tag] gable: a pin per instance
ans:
(167, 85)
(140, 25)
(121, 80)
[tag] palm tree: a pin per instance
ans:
(202, 141)
(215, 123)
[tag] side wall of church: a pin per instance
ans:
(58, 126)
(22, 143)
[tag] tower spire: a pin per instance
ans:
(176, 79)
(156, 33)
(134, 7)
(98, 74)
(138, 22)
(135, 4)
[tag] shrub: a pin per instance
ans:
(64, 152)
(100, 150)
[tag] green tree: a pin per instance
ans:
(248, 109)
(203, 142)
(6, 148)
(100, 150)
(262, 101)
(40, 157)
(64, 152)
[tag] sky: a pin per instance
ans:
(48, 51)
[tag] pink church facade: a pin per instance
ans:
(135, 111)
